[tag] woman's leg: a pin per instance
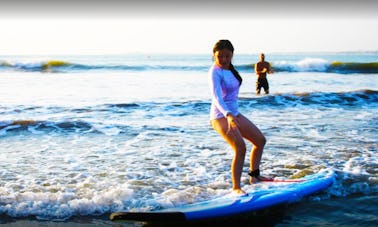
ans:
(235, 140)
(255, 136)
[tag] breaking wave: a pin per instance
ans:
(304, 65)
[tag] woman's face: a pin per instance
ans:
(223, 58)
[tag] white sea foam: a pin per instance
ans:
(305, 65)
(141, 140)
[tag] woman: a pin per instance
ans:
(226, 119)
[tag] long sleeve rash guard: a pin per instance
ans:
(224, 88)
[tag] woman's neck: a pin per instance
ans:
(227, 67)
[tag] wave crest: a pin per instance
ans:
(323, 99)
(303, 65)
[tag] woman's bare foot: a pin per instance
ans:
(239, 192)
(253, 180)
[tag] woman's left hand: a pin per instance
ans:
(232, 122)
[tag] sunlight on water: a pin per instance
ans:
(93, 142)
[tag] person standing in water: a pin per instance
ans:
(261, 69)
(226, 119)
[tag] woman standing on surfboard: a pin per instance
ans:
(226, 119)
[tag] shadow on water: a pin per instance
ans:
(268, 217)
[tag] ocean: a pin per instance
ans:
(84, 136)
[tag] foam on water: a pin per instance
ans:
(92, 143)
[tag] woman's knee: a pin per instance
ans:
(261, 142)
(241, 147)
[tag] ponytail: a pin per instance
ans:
(236, 74)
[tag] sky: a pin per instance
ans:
(184, 27)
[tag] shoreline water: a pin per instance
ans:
(76, 145)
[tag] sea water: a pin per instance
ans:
(90, 135)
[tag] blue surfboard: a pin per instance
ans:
(273, 193)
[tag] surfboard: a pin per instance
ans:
(272, 193)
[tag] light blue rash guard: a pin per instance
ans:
(224, 88)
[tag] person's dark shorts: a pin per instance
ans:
(262, 83)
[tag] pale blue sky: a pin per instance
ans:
(165, 30)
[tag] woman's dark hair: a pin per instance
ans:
(226, 44)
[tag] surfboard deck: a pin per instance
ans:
(276, 193)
